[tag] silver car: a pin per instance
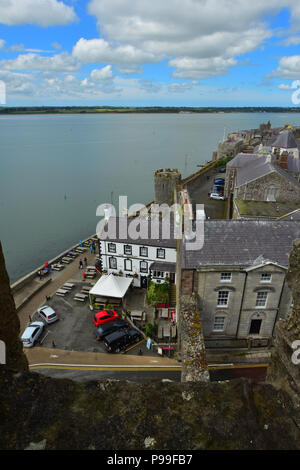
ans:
(48, 314)
(216, 196)
(32, 333)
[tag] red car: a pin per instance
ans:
(104, 316)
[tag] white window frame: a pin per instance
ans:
(144, 248)
(216, 318)
(259, 300)
(109, 245)
(109, 262)
(130, 250)
(264, 281)
(219, 300)
(162, 250)
(145, 270)
(126, 261)
(227, 277)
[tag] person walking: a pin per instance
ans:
(85, 261)
(80, 264)
(91, 249)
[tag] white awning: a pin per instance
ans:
(111, 286)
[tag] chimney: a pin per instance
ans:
(277, 156)
(283, 160)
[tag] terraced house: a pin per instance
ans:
(239, 276)
(143, 257)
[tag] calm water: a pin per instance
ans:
(55, 170)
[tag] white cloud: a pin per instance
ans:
(99, 50)
(38, 12)
(60, 63)
(2, 43)
(283, 86)
(289, 67)
(291, 41)
(99, 75)
(201, 68)
(213, 30)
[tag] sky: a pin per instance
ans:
(150, 53)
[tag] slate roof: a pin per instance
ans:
(144, 226)
(241, 242)
(163, 266)
(253, 166)
(285, 140)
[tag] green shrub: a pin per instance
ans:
(150, 330)
(158, 293)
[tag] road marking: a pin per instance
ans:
(115, 368)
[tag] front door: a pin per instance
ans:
(255, 327)
(144, 283)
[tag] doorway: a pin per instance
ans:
(255, 327)
(144, 282)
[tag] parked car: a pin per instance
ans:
(222, 169)
(32, 333)
(110, 327)
(119, 340)
(219, 181)
(216, 196)
(104, 316)
(217, 189)
(48, 314)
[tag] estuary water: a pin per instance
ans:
(56, 169)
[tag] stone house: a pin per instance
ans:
(261, 177)
(239, 277)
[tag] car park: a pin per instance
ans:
(216, 196)
(32, 333)
(110, 327)
(120, 340)
(47, 314)
(104, 316)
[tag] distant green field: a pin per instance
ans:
(152, 109)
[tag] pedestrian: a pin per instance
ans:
(140, 352)
(94, 249)
(85, 261)
(30, 319)
(83, 275)
(91, 249)
(53, 344)
(80, 264)
(40, 274)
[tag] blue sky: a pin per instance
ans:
(142, 53)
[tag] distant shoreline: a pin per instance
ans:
(18, 110)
